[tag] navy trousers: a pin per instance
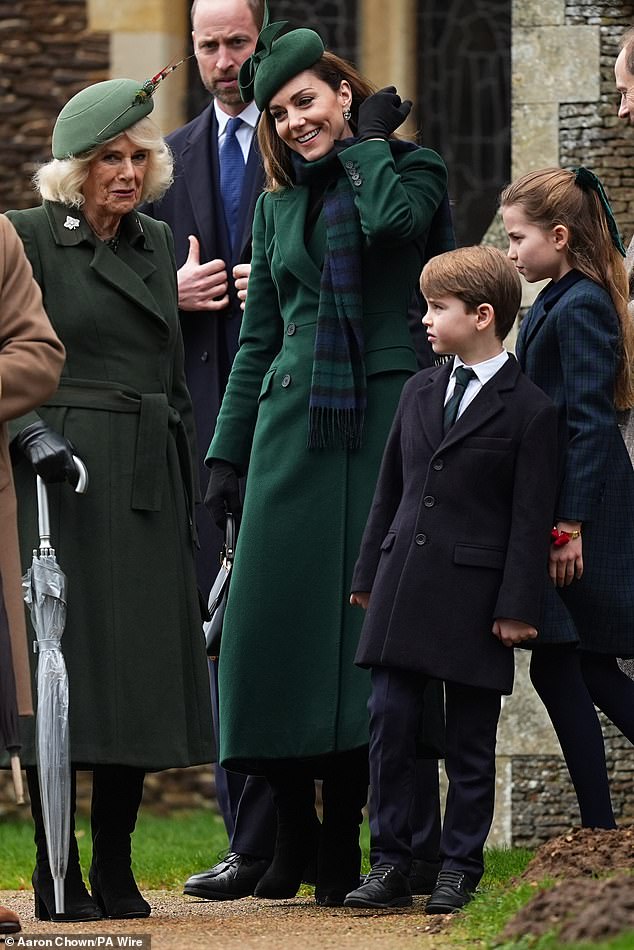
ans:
(472, 713)
(244, 801)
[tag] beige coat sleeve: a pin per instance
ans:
(31, 360)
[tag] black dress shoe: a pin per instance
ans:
(452, 891)
(423, 875)
(385, 886)
(235, 876)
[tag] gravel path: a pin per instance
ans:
(250, 924)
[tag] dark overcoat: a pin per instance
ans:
(568, 345)
(458, 532)
(193, 205)
(139, 688)
(288, 684)
(31, 359)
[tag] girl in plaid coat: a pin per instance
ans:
(577, 344)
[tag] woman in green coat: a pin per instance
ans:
(133, 644)
(338, 243)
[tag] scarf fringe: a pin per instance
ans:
(332, 428)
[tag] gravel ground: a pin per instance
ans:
(250, 924)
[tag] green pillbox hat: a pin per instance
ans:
(276, 60)
(98, 113)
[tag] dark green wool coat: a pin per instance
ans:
(288, 684)
(139, 690)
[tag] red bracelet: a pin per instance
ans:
(559, 538)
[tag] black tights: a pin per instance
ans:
(570, 683)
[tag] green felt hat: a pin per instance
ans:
(277, 59)
(98, 113)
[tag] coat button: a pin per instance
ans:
(204, 358)
(290, 329)
(349, 164)
(421, 539)
(429, 501)
(438, 465)
(286, 380)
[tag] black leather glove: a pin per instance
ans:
(381, 114)
(50, 454)
(223, 492)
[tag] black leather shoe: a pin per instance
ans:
(236, 876)
(452, 891)
(423, 875)
(385, 886)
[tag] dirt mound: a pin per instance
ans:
(577, 910)
(583, 852)
(594, 901)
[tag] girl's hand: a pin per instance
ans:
(360, 599)
(565, 563)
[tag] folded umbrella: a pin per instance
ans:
(44, 587)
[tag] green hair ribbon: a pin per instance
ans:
(587, 180)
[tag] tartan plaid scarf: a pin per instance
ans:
(338, 389)
(338, 393)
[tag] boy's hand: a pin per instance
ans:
(512, 632)
(360, 599)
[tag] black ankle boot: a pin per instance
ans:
(298, 830)
(78, 904)
(116, 796)
(344, 793)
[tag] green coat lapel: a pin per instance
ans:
(128, 270)
(289, 215)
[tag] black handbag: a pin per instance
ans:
(212, 628)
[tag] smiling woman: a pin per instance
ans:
(339, 239)
(108, 279)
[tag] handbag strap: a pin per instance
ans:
(230, 537)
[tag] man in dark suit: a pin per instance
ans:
(212, 237)
(461, 516)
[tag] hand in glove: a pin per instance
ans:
(223, 492)
(50, 454)
(381, 114)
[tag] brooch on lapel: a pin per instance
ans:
(71, 223)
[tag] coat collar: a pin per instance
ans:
(488, 402)
(546, 300)
(291, 206)
(128, 270)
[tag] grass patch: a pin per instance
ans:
(499, 898)
(165, 850)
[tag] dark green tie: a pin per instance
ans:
(463, 375)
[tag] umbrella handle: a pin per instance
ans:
(82, 481)
(43, 518)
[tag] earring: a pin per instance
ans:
(347, 114)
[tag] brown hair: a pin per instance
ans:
(276, 155)
(550, 196)
(255, 6)
(627, 43)
(476, 275)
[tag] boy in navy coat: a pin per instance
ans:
(452, 568)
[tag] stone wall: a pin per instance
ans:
(543, 800)
(46, 55)
(591, 133)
